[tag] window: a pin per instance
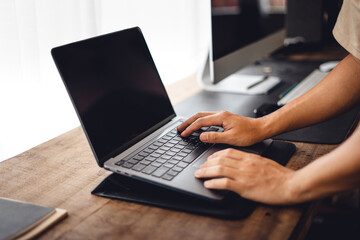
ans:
(33, 101)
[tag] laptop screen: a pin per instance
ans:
(115, 88)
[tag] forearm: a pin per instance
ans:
(335, 172)
(338, 92)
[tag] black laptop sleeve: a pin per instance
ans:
(233, 206)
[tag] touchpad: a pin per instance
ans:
(202, 159)
(258, 148)
(199, 162)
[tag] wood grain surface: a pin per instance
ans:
(62, 172)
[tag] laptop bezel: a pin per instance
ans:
(120, 149)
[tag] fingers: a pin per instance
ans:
(216, 171)
(200, 120)
(226, 162)
(204, 121)
(223, 184)
(215, 137)
(230, 153)
(190, 120)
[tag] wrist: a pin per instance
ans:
(294, 189)
(300, 189)
(265, 127)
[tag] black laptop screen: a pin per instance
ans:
(115, 88)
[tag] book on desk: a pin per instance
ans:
(20, 220)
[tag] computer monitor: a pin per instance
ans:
(242, 31)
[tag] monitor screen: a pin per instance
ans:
(237, 23)
(115, 88)
(242, 31)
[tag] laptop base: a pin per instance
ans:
(233, 206)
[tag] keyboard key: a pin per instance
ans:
(177, 169)
(167, 138)
(172, 173)
(183, 143)
(159, 151)
(182, 154)
(150, 158)
(139, 167)
(170, 153)
(161, 160)
(148, 150)
(188, 160)
(133, 161)
(165, 148)
(174, 149)
(153, 147)
(149, 169)
(161, 140)
(194, 142)
(158, 144)
(212, 129)
(145, 162)
(127, 165)
(195, 134)
(178, 158)
(177, 138)
(204, 129)
(190, 147)
(128, 157)
(143, 154)
(186, 151)
(138, 158)
(168, 177)
(155, 155)
(160, 171)
(170, 145)
(156, 164)
(171, 134)
(174, 141)
(172, 161)
(179, 146)
(119, 163)
(167, 157)
(168, 165)
(182, 164)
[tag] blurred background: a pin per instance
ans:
(34, 104)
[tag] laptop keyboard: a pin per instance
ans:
(168, 156)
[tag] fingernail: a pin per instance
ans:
(204, 137)
(207, 184)
(197, 173)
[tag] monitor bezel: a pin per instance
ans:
(234, 61)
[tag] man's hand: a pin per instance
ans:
(251, 176)
(238, 130)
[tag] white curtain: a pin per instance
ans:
(34, 105)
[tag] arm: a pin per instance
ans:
(265, 181)
(335, 172)
(336, 93)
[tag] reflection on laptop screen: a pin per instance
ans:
(115, 88)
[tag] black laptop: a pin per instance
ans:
(126, 113)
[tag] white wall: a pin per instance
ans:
(34, 105)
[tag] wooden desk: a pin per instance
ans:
(62, 172)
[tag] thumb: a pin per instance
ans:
(213, 137)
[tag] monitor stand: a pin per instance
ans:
(238, 83)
